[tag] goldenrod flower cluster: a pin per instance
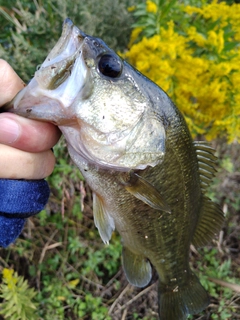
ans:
(9, 278)
(199, 68)
(151, 6)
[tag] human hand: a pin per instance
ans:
(24, 144)
(25, 159)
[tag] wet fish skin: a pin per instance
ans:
(134, 149)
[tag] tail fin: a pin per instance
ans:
(177, 303)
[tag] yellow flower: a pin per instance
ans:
(61, 298)
(198, 38)
(216, 40)
(134, 35)
(73, 283)
(191, 10)
(131, 9)
(212, 38)
(204, 84)
(9, 278)
(7, 274)
(220, 45)
(151, 6)
(143, 66)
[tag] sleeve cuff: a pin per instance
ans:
(19, 199)
(22, 198)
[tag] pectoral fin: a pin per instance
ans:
(137, 268)
(103, 220)
(146, 192)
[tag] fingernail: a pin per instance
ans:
(9, 131)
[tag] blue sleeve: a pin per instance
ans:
(19, 199)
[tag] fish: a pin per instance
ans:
(133, 147)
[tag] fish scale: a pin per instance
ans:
(135, 151)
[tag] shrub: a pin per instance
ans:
(193, 53)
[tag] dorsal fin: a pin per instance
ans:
(206, 163)
(211, 217)
(210, 221)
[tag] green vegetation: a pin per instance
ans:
(59, 268)
(29, 29)
(181, 47)
(17, 296)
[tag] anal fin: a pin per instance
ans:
(210, 222)
(137, 268)
(103, 220)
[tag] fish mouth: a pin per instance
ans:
(69, 43)
(57, 82)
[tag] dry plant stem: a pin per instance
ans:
(45, 248)
(220, 241)
(119, 298)
(124, 314)
(3, 262)
(137, 297)
(232, 286)
(235, 299)
(130, 301)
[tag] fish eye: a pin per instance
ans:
(110, 65)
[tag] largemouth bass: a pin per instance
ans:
(135, 151)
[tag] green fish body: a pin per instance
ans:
(135, 151)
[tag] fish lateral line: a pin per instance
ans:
(145, 191)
